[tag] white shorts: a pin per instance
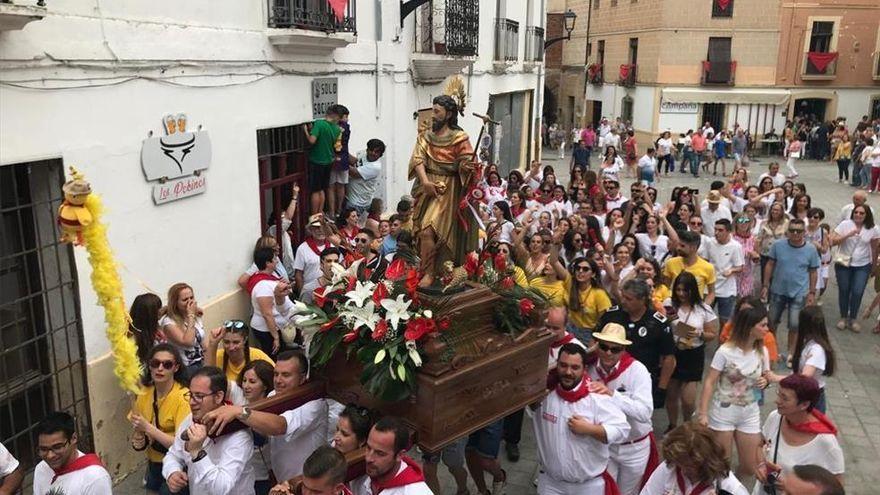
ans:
(339, 176)
(745, 419)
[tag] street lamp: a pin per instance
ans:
(569, 17)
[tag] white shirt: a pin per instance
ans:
(361, 189)
(193, 353)
(308, 262)
(286, 246)
(610, 140)
(660, 246)
(857, 246)
(92, 480)
(280, 271)
(710, 217)
(613, 171)
(664, 146)
(8, 463)
(814, 355)
(306, 431)
(846, 212)
(362, 486)
(266, 288)
(632, 394)
(725, 257)
(664, 482)
(225, 470)
(616, 202)
(576, 458)
(707, 131)
(777, 179)
(697, 317)
(604, 129)
(648, 162)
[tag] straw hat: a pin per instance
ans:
(613, 333)
(713, 197)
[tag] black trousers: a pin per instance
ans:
(513, 427)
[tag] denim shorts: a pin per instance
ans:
(452, 454)
(487, 440)
(724, 307)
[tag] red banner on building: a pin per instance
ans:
(820, 60)
(624, 71)
(723, 4)
(338, 7)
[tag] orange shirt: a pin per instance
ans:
(769, 341)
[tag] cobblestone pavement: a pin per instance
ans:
(853, 392)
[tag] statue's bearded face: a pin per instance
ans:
(439, 118)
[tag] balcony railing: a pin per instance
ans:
(628, 75)
(596, 74)
(819, 65)
(506, 40)
(312, 15)
(718, 73)
(449, 27)
(534, 44)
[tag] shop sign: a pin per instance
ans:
(670, 107)
(177, 160)
(324, 95)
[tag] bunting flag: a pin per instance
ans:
(723, 4)
(624, 71)
(820, 60)
(338, 7)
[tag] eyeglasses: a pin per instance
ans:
(609, 186)
(583, 268)
(609, 348)
(195, 397)
(57, 449)
(696, 224)
(236, 324)
(361, 240)
(156, 363)
(816, 217)
(795, 231)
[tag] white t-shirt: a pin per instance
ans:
(740, 371)
(308, 261)
(280, 271)
(194, 353)
(707, 131)
(361, 189)
(664, 146)
(647, 162)
(8, 463)
(724, 257)
(814, 355)
(266, 288)
(777, 179)
(710, 217)
(857, 246)
(663, 481)
(696, 317)
(656, 249)
(823, 451)
(92, 480)
(613, 171)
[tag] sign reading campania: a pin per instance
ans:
(324, 94)
(670, 107)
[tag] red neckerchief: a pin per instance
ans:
(542, 200)
(653, 461)
(80, 462)
(609, 198)
(516, 211)
(258, 277)
(313, 244)
(610, 484)
(346, 491)
(577, 393)
(412, 473)
(679, 478)
(625, 361)
(564, 340)
(352, 236)
(821, 425)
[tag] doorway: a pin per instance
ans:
(811, 108)
(713, 113)
(507, 139)
(596, 112)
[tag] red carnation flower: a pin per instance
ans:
(379, 293)
(506, 283)
(418, 328)
(500, 262)
(471, 263)
(380, 331)
(526, 306)
(396, 269)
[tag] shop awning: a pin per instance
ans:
(729, 96)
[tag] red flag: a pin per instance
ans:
(723, 4)
(820, 60)
(624, 70)
(338, 7)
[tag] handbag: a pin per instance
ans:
(845, 259)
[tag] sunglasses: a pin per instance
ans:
(817, 217)
(795, 231)
(743, 220)
(361, 240)
(233, 324)
(156, 363)
(696, 224)
(583, 268)
(610, 348)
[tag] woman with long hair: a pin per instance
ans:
(600, 210)
(800, 206)
(584, 296)
(739, 181)
(820, 236)
(256, 381)
(144, 324)
(858, 240)
(496, 189)
(576, 181)
(664, 153)
(843, 156)
(515, 180)
(611, 164)
(693, 464)
(158, 411)
(734, 386)
(236, 353)
(560, 206)
(181, 322)
(573, 246)
(352, 429)
(653, 242)
(518, 209)
(742, 233)
(532, 253)
(374, 215)
(622, 260)
(773, 228)
(347, 224)
(501, 225)
(649, 270)
(796, 433)
(694, 325)
(813, 354)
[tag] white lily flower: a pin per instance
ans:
(428, 314)
(362, 291)
(396, 310)
(413, 353)
(365, 316)
(339, 274)
(299, 307)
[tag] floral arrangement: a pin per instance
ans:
(385, 326)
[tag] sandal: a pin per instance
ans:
(855, 327)
(841, 325)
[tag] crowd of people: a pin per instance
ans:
(638, 291)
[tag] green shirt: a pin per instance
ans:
(323, 152)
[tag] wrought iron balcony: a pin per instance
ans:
(506, 40)
(718, 73)
(596, 74)
(819, 65)
(534, 44)
(449, 27)
(312, 15)
(628, 75)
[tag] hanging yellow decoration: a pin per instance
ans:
(106, 283)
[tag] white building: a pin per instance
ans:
(85, 83)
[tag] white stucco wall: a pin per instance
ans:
(853, 103)
(205, 240)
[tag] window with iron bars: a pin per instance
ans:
(506, 40)
(313, 15)
(449, 27)
(281, 163)
(42, 357)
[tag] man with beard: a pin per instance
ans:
(373, 266)
(574, 428)
(441, 168)
(218, 466)
(389, 470)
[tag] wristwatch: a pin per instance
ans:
(245, 413)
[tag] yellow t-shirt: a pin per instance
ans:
(232, 371)
(594, 303)
(519, 277)
(660, 294)
(554, 291)
(173, 409)
(702, 270)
